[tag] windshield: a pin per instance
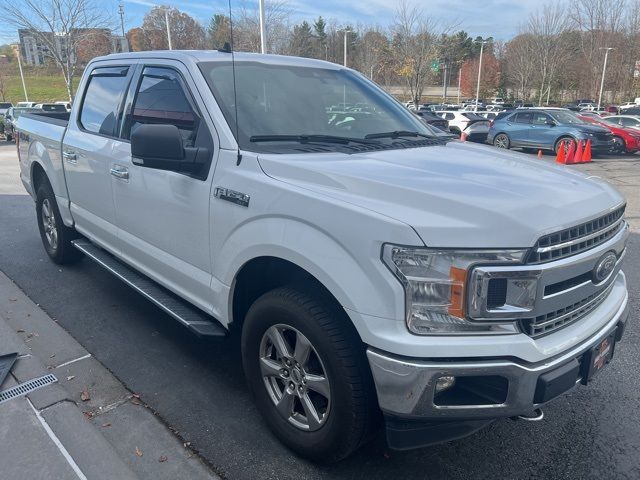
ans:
(274, 100)
(566, 117)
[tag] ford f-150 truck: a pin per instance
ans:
(378, 273)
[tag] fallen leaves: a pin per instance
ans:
(163, 458)
(139, 452)
(84, 395)
(105, 425)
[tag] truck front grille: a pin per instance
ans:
(577, 239)
(544, 324)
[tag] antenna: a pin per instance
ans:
(235, 92)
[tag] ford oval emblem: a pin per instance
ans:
(604, 267)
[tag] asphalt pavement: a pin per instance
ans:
(197, 387)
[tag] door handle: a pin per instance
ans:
(120, 172)
(70, 157)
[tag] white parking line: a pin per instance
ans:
(57, 443)
(74, 361)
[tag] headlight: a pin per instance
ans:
(435, 281)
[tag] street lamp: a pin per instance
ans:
(121, 13)
(166, 20)
(24, 86)
(482, 42)
(604, 71)
(346, 31)
(263, 41)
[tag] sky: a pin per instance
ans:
(497, 18)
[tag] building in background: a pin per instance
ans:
(95, 42)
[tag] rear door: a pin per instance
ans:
(89, 144)
(162, 215)
(518, 128)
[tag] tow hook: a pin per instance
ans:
(534, 416)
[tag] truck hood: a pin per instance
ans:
(455, 195)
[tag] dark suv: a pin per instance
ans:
(547, 129)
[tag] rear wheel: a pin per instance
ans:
(307, 370)
(8, 137)
(502, 141)
(56, 237)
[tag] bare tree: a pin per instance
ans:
(416, 45)
(546, 27)
(3, 86)
(246, 27)
(520, 68)
(186, 32)
(61, 26)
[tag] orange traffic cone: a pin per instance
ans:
(578, 156)
(560, 156)
(539, 153)
(568, 160)
(586, 157)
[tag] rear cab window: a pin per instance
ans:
(102, 100)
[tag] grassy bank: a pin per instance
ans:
(43, 85)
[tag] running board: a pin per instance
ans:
(190, 316)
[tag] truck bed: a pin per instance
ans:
(56, 118)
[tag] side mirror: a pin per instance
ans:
(161, 147)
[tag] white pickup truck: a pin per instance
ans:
(377, 273)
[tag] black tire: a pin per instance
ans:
(61, 251)
(502, 140)
(620, 147)
(8, 137)
(352, 412)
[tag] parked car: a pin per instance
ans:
(25, 104)
(67, 105)
(4, 106)
(626, 140)
(547, 129)
(626, 105)
(497, 100)
(51, 107)
(627, 121)
(376, 274)
(11, 118)
(473, 126)
(432, 119)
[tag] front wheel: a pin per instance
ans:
(8, 137)
(502, 141)
(619, 146)
(307, 370)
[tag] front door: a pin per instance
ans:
(163, 216)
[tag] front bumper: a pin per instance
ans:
(489, 388)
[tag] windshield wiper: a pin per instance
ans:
(309, 138)
(398, 133)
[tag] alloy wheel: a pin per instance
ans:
(295, 377)
(49, 223)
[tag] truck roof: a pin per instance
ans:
(215, 55)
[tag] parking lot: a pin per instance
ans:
(197, 387)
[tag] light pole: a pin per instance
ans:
(166, 20)
(604, 71)
(121, 13)
(346, 31)
(24, 86)
(444, 82)
(263, 41)
(482, 43)
(459, 81)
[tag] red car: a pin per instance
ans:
(627, 140)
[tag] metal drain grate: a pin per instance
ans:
(27, 387)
